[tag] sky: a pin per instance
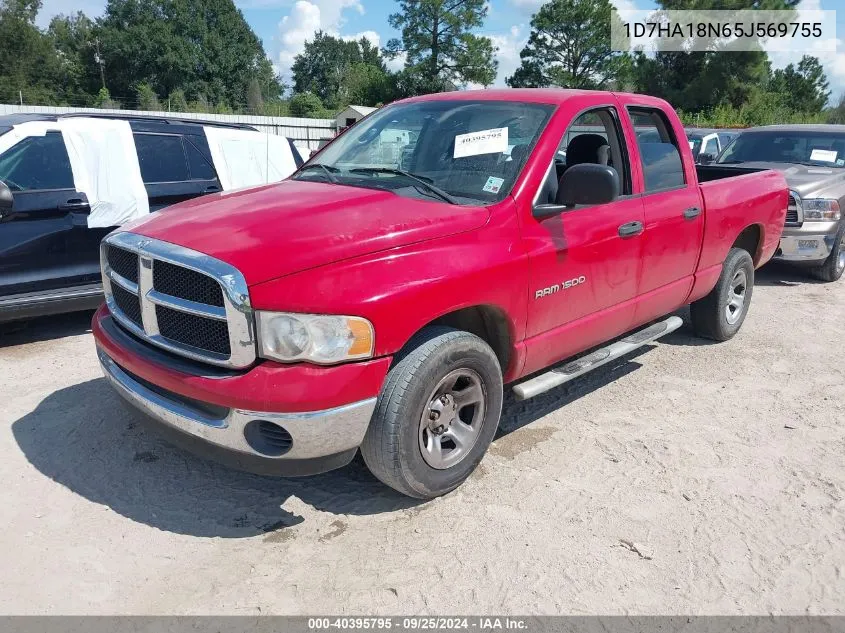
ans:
(285, 25)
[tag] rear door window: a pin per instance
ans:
(37, 163)
(659, 151)
(201, 169)
(161, 157)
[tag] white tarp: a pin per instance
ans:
(245, 158)
(105, 168)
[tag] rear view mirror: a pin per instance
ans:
(6, 199)
(588, 183)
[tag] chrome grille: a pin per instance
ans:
(193, 330)
(794, 215)
(179, 299)
(124, 263)
(187, 284)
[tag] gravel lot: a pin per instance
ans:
(691, 478)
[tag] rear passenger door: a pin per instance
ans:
(674, 218)
(173, 167)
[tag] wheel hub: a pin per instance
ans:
(451, 421)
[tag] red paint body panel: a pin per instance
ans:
(270, 387)
(279, 229)
(402, 263)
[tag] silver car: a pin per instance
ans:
(812, 157)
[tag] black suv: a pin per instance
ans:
(49, 257)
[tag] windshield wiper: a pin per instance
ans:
(420, 181)
(731, 162)
(331, 177)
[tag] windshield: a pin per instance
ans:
(464, 152)
(825, 149)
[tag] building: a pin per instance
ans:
(352, 114)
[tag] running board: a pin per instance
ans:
(599, 357)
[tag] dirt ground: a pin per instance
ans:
(693, 478)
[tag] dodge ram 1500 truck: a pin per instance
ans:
(437, 250)
(812, 159)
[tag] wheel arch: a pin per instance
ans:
(750, 240)
(488, 322)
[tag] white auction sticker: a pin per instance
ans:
(493, 184)
(825, 155)
(493, 141)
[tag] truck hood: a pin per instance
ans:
(283, 228)
(809, 182)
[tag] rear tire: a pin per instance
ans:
(834, 265)
(720, 314)
(436, 414)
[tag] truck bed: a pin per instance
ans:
(707, 173)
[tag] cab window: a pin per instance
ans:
(37, 163)
(659, 151)
(593, 137)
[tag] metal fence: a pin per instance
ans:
(305, 132)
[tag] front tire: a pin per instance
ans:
(720, 314)
(436, 414)
(834, 265)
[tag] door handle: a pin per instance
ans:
(75, 204)
(629, 229)
(691, 213)
(211, 189)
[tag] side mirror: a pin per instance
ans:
(588, 183)
(6, 200)
(706, 159)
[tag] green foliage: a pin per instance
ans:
(29, 66)
(805, 86)
(103, 100)
(569, 46)
(177, 102)
(340, 72)
(147, 98)
(441, 50)
(204, 47)
(307, 105)
(70, 36)
(762, 108)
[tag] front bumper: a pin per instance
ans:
(318, 440)
(206, 413)
(811, 243)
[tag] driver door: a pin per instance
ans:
(36, 236)
(585, 262)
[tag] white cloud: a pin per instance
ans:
(398, 63)
(306, 18)
(372, 36)
(508, 46)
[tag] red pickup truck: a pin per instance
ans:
(439, 249)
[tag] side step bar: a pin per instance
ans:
(599, 357)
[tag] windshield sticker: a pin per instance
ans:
(825, 155)
(493, 141)
(493, 184)
(840, 162)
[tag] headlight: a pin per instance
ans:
(821, 209)
(314, 338)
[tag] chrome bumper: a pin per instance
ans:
(805, 248)
(314, 434)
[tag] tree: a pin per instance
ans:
(306, 105)
(702, 80)
(441, 51)
(324, 66)
(29, 66)
(72, 38)
(569, 46)
(177, 102)
(805, 88)
(147, 98)
(204, 47)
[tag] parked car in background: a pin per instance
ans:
(364, 304)
(707, 144)
(66, 181)
(812, 157)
